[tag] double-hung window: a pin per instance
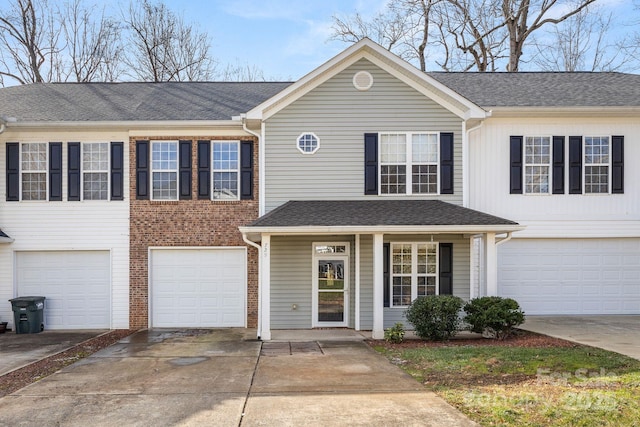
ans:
(225, 174)
(596, 164)
(537, 165)
(414, 272)
(95, 171)
(409, 163)
(164, 170)
(33, 169)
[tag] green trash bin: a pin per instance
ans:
(28, 314)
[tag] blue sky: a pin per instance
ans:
(284, 38)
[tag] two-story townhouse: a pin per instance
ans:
(123, 201)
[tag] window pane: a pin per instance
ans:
(393, 179)
(402, 290)
(596, 179)
(424, 148)
(164, 155)
(34, 157)
(34, 186)
(537, 179)
(424, 179)
(225, 156)
(393, 148)
(95, 157)
(307, 143)
(165, 185)
(225, 185)
(537, 157)
(95, 186)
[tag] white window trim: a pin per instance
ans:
(46, 171)
(408, 163)
(525, 164)
(237, 170)
(108, 171)
(584, 166)
(314, 280)
(176, 170)
(414, 270)
(307, 152)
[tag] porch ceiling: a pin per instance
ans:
(371, 216)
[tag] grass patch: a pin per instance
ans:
(528, 386)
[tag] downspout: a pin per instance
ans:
(465, 162)
(260, 163)
(259, 248)
(506, 239)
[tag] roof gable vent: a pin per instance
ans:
(362, 80)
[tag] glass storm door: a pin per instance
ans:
(331, 285)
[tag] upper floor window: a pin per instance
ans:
(308, 143)
(164, 170)
(95, 171)
(409, 163)
(33, 170)
(537, 164)
(596, 164)
(226, 170)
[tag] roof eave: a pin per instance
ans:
(602, 111)
(126, 124)
(388, 229)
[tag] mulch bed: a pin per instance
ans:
(24, 376)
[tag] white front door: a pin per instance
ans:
(330, 284)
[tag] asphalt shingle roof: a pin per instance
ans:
(533, 89)
(134, 101)
(374, 213)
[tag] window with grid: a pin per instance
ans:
(33, 169)
(414, 272)
(225, 170)
(414, 152)
(596, 164)
(95, 171)
(537, 164)
(164, 170)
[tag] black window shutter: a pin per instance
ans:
(142, 170)
(446, 163)
(73, 171)
(55, 171)
(246, 170)
(575, 165)
(617, 164)
(13, 171)
(117, 170)
(515, 162)
(185, 170)
(386, 281)
(204, 169)
(558, 165)
(445, 278)
(371, 163)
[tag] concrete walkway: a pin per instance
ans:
(615, 333)
(225, 378)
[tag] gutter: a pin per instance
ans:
(506, 239)
(259, 248)
(124, 124)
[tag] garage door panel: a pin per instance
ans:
(596, 276)
(76, 284)
(198, 287)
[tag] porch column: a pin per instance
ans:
(378, 287)
(265, 291)
(357, 299)
(491, 264)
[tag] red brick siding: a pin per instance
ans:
(187, 223)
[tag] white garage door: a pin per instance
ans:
(571, 276)
(198, 287)
(76, 285)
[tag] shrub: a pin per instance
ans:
(394, 334)
(493, 316)
(435, 317)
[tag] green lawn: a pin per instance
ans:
(528, 386)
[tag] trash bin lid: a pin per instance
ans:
(27, 299)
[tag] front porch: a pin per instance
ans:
(358, 265)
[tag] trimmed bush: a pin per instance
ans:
(394, 334)
(493, 316)
(435, 317)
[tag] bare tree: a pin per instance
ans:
(163, 47)
(93, 44)
(27, 41)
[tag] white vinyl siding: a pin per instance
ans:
(340, 115)
(33, 170)
(95, 171)
(164, 170)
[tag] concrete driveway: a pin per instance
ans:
(224, 378)
(615, 333)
